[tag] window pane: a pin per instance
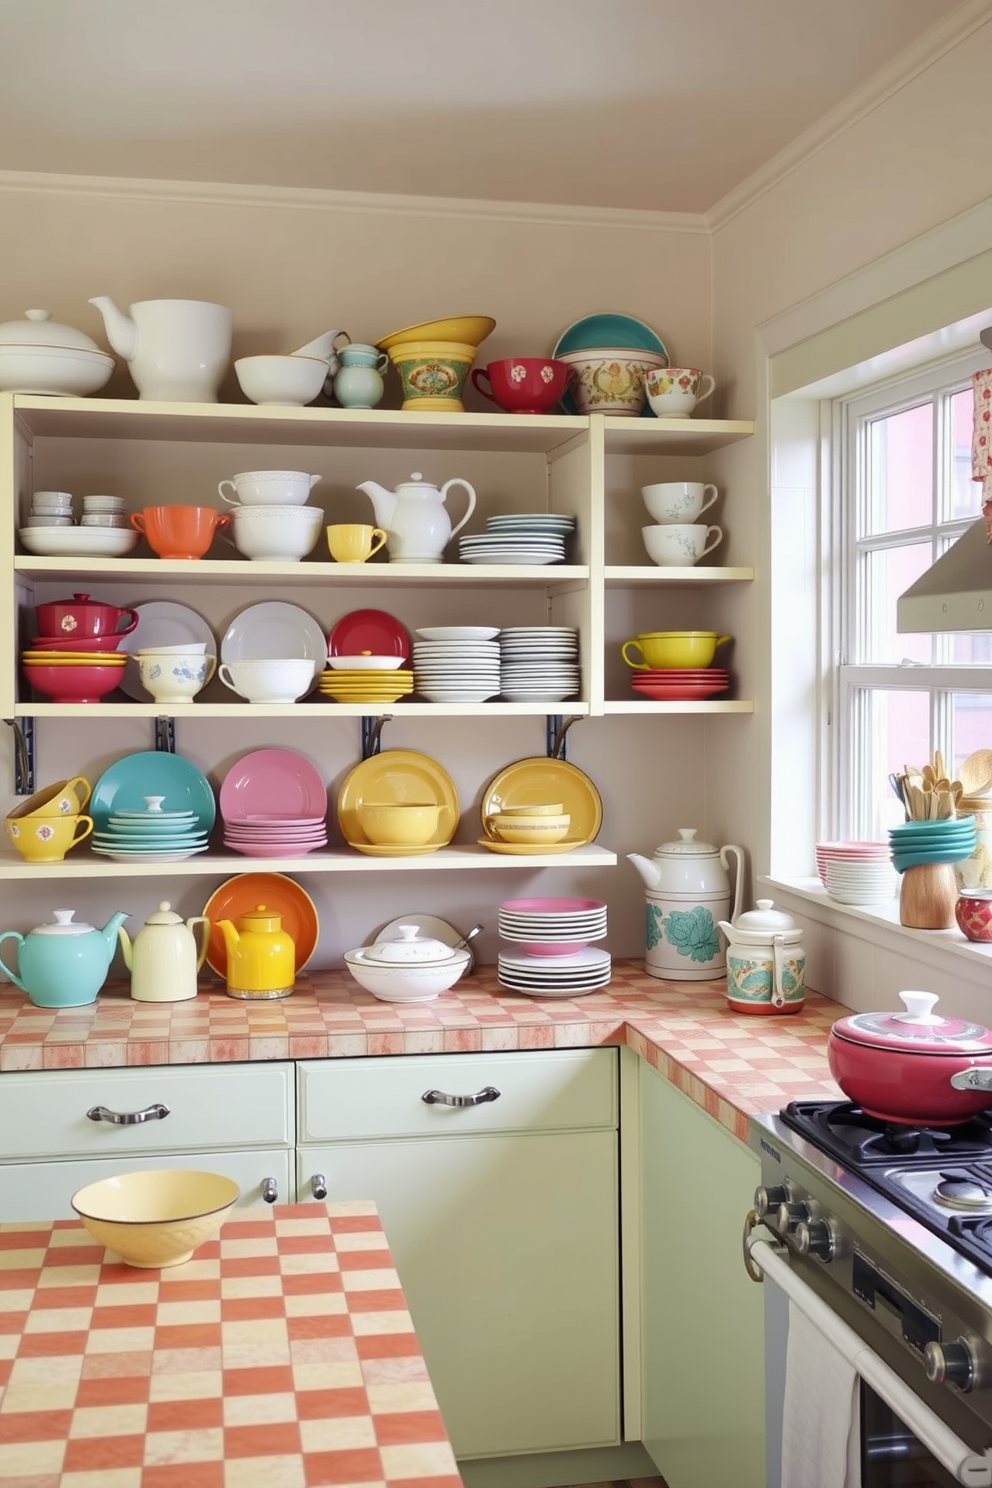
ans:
(900, 471)
(966, 494)
(971, 713)
(972, 646)
(888, 574)
(900, 736)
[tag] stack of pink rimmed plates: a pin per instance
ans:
(273, 804)
(551, 954)
(849, 852)
(679, 684)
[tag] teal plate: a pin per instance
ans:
(608, 328)
(902, 861)
(152, 772)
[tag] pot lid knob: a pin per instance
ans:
(687, 846)
(919, 1009)
(765, 917)
(64, 924)
(164, 915)
(410, 946)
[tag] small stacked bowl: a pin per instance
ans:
(151, 835)
(366, 679)
(270, 521)
(535, 824)
(412, 968)
(45, 826)
(50, 509)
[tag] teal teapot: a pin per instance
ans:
(63, 964)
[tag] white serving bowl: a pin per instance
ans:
(365, 663)
(276, 534)
(63, 371)
(403, 981)
(278, 681)
(288, 380)
(94, 542)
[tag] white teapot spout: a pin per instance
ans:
(650, 872)
(122, 333)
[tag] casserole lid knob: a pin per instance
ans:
(917, 1028)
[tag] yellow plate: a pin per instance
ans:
(471, 329)
(529, 849)
(387, 850)
(77, 658)
(398, 775)
(541, 779)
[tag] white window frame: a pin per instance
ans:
(847, 741)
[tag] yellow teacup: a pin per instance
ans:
(353, 542)
(64, 798)
(47, 839)
(673, 648)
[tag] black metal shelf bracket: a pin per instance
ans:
(24, 752)
(557, 728)
(372, 734)
(165, 735)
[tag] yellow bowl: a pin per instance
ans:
(529, 829)
(64, 798)
(470, 329)
(673, 648)
(550, 808)
(399, 824)
(155, 1219)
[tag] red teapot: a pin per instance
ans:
(82, 616)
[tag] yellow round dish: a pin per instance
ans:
(398, 775)
(543, 779)
(528, 849)
(389, 850)
(469, 329)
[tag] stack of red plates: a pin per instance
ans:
(680, 684)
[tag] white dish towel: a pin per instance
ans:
(821, 1426)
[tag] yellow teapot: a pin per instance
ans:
(261, 956)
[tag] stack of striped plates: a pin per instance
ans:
(552, 955)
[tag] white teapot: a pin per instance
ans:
(688, 892)
(164, 958)
(414, 517)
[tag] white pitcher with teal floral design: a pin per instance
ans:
(688, 894)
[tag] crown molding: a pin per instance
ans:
(940, 39)
(301, 198)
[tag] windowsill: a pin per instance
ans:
(948, 950)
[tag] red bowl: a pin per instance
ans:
(70, 643)
(72, 684)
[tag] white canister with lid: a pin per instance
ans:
(688, 893)
(766, 963)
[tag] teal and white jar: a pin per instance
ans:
(766, 963)
(688, 893)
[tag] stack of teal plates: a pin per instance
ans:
(916, 842)
(151, 835)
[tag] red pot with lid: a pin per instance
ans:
(83, 616)
(913, 1067)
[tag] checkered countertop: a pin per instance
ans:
(732, 1064)
(281, 1356)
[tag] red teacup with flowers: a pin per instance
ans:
(523, 384)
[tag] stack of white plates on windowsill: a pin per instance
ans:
(525, 537)
(459, 664)
(551, 954)
(862, 881)
(539, 662)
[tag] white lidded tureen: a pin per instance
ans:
(40, 355)
(412, 968)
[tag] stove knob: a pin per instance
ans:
(789, 1216)
(951, 1364)
(816, 1237)
(767, 1199)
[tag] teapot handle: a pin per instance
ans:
(204, 937)
(737, 853)
(778, 970)
(12, 935)
(457, 481)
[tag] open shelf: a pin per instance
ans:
(289, 711)
(625, 576)
(163, 573)
(633, 706)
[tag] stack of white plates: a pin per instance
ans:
(150, 836)
(523, 539)
(532, 524)
(539, 662)
(458, 664)
(861, 882)
(558, 976)
(555, 958)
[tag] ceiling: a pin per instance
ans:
(656, 104)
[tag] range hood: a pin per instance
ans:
(956, 593)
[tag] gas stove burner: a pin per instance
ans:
(962, 1192)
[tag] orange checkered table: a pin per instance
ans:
(281, 1356)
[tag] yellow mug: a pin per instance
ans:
(47, 839)
(353, 542)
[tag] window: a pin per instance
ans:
(903, 495)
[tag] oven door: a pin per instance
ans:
(904, 1443)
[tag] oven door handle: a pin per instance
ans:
(966, 1466)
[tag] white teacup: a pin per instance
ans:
(175, 676)
(269, 488)
(279, 681)
(680, 544)
(673, 392)
(678, 501)
(276, 534)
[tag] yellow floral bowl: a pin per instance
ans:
(433, 374)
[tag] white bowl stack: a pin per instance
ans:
(555, 956)
(539, 662)
(457, 664)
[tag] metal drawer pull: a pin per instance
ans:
(270, 1190)
(438, 1097)
(158, 1112)
(318, 1184)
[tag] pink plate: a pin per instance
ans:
(551, 906)
(555, 950)
(369, 630)
(272, 782)
(273, 849)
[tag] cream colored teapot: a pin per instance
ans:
(164, 957)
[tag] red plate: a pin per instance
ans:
(369, 630)
(680, 674)
(672, 692)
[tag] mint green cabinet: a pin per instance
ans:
(702, 1354)
(502, 1220)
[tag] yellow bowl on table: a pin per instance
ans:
(673, 648)
(156, 1219)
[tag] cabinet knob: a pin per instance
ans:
(439, 1098)
(318, 1186)
(269, 1190)
(158, 1112)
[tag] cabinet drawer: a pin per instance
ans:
(554, 1090)
(245, 1105)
